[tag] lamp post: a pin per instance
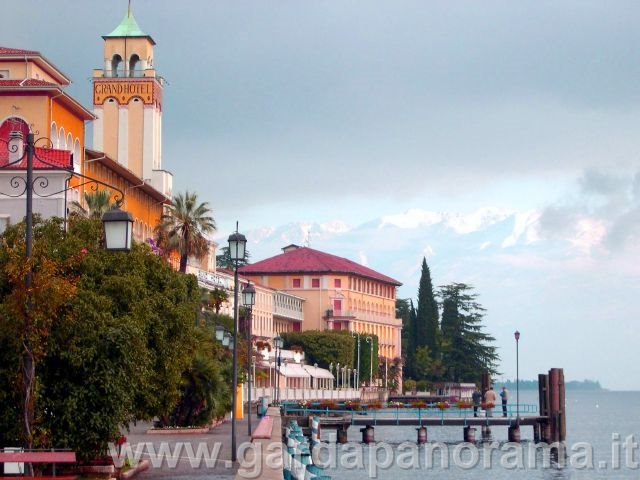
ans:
(369, 340)
(357, 383)
(237, 245)
(517, 337)
(337, 375)
(117, 233)
(355, 377)
(333, 385)
(279, 343)
(249, 300)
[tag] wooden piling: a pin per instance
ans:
(469, 434)
(422, 435)
(486, 433)
(536, 433)
(368, 435)
(543, 398)
(556, 405)
(342, 435)
(514, 433)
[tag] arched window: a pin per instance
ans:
(76, 152)
(61, 140)
(116, 61)
(13, 124)
(69, 142)
(133, 63)
(54, 134)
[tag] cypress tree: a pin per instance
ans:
(427, 313)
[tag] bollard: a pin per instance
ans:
(422, 435)
(368, 434)
(514, 433)
(342, 435)
(469, 434)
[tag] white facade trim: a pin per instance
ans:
(123, 135)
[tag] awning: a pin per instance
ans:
(293, 370)
(317, 372)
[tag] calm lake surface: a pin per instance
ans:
(593, 420)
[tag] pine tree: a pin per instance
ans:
(426, 331)
(467, 350)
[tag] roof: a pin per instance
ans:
(29, 82)
(308, 260)
(128, 28)
(8, 53)
(58, 159)
(16, 51)
(111, 164)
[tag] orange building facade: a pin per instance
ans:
(338, 294)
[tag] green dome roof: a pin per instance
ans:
(127, 28)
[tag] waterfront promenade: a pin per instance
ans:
(183, 469)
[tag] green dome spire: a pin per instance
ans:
(128, 27)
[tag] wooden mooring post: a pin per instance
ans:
(556, 428)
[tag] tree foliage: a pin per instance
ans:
(97, 204)
(426, 328)
(184, 227)
(323, 347)
(113, 345)
(467, 350)
(223, 260)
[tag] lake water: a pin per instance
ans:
(598, 424)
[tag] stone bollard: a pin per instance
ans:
(368, 434)
(514, 433)
(422, 435)
(342, 435)
(486, 433)
(469, 434)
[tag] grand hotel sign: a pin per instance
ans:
(124, 91)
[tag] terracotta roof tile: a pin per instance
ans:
(308, 260)
(16, 51)
(30, 82)
(56, 158)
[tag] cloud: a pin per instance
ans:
(605, 214)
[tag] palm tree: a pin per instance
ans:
(183, 228)
(97, 204)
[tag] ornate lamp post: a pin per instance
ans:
(357, 383)
(249, 300)
(117, 231)
(279, 343)
(237, 245)
(517, 337)
(369, 340)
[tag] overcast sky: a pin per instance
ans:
(337, 110)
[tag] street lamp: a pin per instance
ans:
(279, 343)
(117, 232)
(517, 336)
(237, 245)
(338, 375)
(333, 385)
(369, 340)
(353, 334)
(118, 229)
(249, 300)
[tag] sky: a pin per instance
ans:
(381, 116)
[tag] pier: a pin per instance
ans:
(547, 419)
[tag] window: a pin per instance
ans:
(4, 73)
(315, 283)
(296, 283)
(337, 283)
